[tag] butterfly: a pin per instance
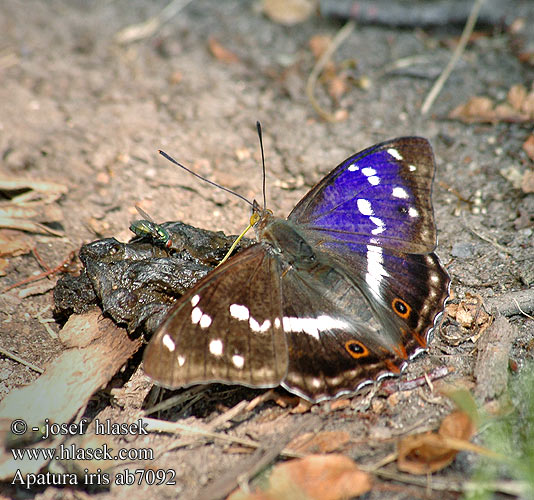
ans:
(342, 293)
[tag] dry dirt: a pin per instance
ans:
(81, 110)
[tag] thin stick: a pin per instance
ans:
(521, 310)
(40, 276)
(175, 427)
(490, 241)
(341, 35)
(39, 259)
(151, 26)
(14, 357)
(438, 85)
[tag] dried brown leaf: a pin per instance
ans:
(505, 112)
(288, 12)
(323, 477)
(221, 53)
(337, 86)
(527, 183)
(516, 96)
(528, 146)
(430, 452)
(528, 105)
(323, 442)
(318, 45)
(474, 110)
(469, 314)
(519, 107)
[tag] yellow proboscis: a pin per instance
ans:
(254, 218)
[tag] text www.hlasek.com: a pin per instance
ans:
(72, 452)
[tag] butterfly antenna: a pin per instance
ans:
(258, 126)
(171, 159)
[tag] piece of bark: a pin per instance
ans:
(422, 13)
(491, 368)
(508, 304)
(67, 382)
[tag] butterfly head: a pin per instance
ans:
(260, 218)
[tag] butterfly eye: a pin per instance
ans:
(401, 308)
(356, 349)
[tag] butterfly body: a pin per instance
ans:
(343, 292)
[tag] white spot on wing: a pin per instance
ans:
(216, 347)
(375, 270)
(373, 180)
(196, 314)
(239, 312)
(316, 383)
(205, 321)
(412, 212)
(238, 361)
(381, 226)
(364, 206)
(353, 167)
(195, 300)
(168, 342)
(312, 326)
(368, 171)
(256, 327)
(277, 322)
(399, 192)
(412, 168)
(393, 152)
(181, 360)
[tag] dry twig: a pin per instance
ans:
(438, 85)
(341, 35)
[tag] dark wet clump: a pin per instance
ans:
(136, 283)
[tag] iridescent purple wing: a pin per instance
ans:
(380, 196)
(371, 218)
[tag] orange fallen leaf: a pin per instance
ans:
(324, 477)
(431, 451)
(476, 109)
(221, 53)
(323, 442)
(528, 146)
(337, 86)
(519, 107)
(527, 183)
(316, 477)
(318, 44)
(516, 96)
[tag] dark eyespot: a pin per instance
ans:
(356, 349)
(401, 308)
(403, 210)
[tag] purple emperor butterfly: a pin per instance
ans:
(343, 292)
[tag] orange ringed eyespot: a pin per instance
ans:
(401, 308)
(356, 349)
